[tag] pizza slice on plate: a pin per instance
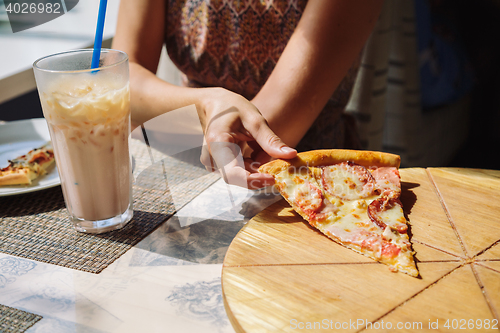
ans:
(353, 198)
(24, 169)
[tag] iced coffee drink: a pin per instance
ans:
(88, 113)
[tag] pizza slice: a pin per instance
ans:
(353, 198)
(24, 169)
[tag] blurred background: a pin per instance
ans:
(449, 117)
(471, 28)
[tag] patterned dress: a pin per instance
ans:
(236, 44)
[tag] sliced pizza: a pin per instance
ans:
(353, 197)
(24, 169)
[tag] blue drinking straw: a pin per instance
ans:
(98, 34)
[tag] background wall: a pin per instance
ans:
(478, 23)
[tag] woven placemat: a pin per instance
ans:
(16, 321)
(35, 225)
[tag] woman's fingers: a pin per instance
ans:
(259, 180)
(207, 160)
(268, 140)
(231, 121)
(229, 162)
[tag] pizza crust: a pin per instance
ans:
(16, 177)
(316, 158)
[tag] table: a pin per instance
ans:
(157, 286)
(171, 280)
(281, 275)
(168, 282)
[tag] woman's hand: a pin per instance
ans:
(229, 120)
(233, 126)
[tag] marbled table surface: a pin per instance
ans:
(169, 282)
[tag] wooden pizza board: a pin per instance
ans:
(281, 275)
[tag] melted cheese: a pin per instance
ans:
(348, 182)
(393, 217)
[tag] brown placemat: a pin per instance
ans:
(16, 321)
(35, 225)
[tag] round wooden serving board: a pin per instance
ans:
(281, 275)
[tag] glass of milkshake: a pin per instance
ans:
(88, 114)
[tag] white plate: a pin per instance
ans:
(16, 139)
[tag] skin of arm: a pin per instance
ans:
(329, 37)
(226, 117)
(140, 33)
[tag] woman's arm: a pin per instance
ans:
(140, 33)
(329, 37)
(228, 119)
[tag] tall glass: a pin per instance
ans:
(88, 113)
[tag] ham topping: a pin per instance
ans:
(387, 181)
(348, 181)
(380, 211)
(308, 197)
(366, 241)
